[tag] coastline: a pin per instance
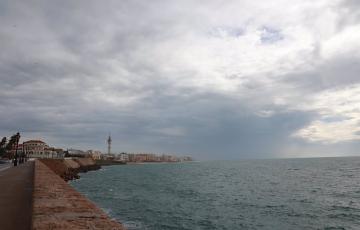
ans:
(164, 162)
(109, 162)
(57, 205)
(69, 169)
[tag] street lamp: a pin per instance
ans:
(16, 148)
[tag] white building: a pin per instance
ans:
(124, 157)
(76, 152)
(94, 154)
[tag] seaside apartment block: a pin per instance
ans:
(150, 157)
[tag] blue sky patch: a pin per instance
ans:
(270, 35)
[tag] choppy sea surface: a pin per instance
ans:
(322, 193)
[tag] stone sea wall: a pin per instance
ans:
(56, 205)
(69, 169)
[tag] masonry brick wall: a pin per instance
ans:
(59, 206)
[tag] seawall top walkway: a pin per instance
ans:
(59, 206)
(16, 189)
(32, 196)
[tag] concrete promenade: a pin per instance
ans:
(32, 196)
(59, 206)
(16, 189)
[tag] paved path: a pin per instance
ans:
(58, 206)
(16, 188)
(4, 166)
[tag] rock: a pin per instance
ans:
(69, 169)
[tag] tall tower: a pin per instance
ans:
(109, 144)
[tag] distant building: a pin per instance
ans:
(131, 157)
(95, 155)
(75, 153)
(124, 157)
(169, 158)
(35, 148)
(143, 157)
(186, 158)
(39, 149)
(108, 157)
(52, 152)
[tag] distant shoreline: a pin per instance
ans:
(144, 163)
(111, 162)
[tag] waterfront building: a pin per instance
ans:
(131, 157)
(51, 152)
(166, 158)
(124, 157)
(35, 148)
(39, 149)
(108, 157)
(150, 157)
(76, 152)
(186, 158)
(94, 154)
(141, 157)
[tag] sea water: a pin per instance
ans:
(322, 193)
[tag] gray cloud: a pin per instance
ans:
(180, 77)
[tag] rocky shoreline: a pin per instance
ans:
(69, 169)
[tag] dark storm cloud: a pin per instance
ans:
(334, 73)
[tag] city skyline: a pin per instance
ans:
(221, 80)
(82, 151)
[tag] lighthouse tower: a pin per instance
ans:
(109, 144)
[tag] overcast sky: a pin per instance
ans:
(208, 78)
